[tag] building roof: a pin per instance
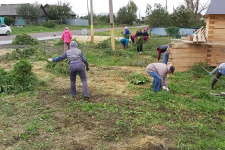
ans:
(216, 7)
(8, 9)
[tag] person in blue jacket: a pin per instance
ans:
(220, 70)
(125, 42)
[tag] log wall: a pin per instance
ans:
(215, 28)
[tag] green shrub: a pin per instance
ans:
(28, 53)
(9, 21)
(49, 24)
(18, 80)
(137, 79)
(59, 42)
(24, 39)
(172, 31)
(104, 44)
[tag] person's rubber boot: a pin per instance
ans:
(212, 86)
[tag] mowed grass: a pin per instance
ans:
(39, 29)
(188, 115)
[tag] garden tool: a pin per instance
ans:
(213, 76)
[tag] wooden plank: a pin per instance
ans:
(193, 50)
(187, 60)
(185, 55)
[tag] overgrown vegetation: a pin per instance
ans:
(186, 117)
(19, 79)
(24, 39)
(32, 53)
(49, 24)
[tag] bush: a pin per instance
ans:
(104, 44)
(9, 21)
(172, 31)
(19, 79)
(49, 24)
(24, 39)
(27, 53)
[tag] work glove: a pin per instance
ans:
(210, 73)
(87, 68)
(165, 88)
(50, 60)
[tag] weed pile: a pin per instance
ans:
(137, 79)
(106, 44)
(19, 79)
(58, 68)
(24, 39)
(28, 53)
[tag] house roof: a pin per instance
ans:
(9, 9)
(216, 7)
(71, 13)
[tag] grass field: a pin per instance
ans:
(38, 29)
(120, 114)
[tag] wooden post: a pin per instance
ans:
(111, 25)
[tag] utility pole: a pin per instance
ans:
(92, 27)
(111, 25)
(166, 4)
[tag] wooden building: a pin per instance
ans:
(212, 51)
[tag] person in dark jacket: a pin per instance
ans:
(220, 70)
(145, 35)
(139, 37)
(76, 62)
(163, 49)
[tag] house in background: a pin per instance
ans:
(10, 10)
(72, 15)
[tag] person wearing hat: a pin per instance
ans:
(126, 33)
(66, 37)
(220, 70)
(159, 72)
(76, 62)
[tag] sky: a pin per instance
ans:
(102, 6)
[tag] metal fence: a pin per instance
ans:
(78, 22)
(162, 32)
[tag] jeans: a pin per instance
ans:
(78, 68)
(165, 57)
(156, 81)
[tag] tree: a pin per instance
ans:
(127, 14)
(28, 12)
(182, 17)
(196, 8)
(59, 12)
(9, 20)
(159, 17)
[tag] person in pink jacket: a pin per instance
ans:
(66, 37)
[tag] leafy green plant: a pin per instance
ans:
(59, 68)
(49, 24)
(137, 79)
(172, 31)
(9, 20)
(19, 79)
(24, 39)
(27, 53)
